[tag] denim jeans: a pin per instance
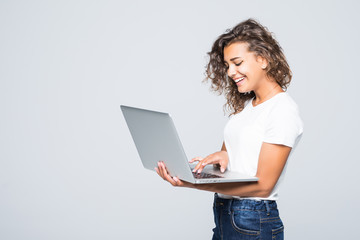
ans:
(246, 219)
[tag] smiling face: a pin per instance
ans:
(244, 67)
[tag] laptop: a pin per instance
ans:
(156, 139)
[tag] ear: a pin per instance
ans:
(262, 62)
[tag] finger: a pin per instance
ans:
(157, 171)
(200, 166)
(223, 165)
(196, 159)
(162, 170)
(171, 180)
(175, 181)
(178, 181)
(166, 175)
(166, 172)
(197, 167)
(210, 160)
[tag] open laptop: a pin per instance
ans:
(156, 139)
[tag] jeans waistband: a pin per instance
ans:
(248, 204)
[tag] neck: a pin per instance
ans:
(266, 92)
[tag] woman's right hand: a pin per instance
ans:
(218, 158)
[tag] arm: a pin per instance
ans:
(272, 160)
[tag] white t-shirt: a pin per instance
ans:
(274, 121)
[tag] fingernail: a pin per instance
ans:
(176, 179)
(222, 169)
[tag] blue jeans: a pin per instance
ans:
(246, 219)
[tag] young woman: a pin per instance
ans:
(248, 66)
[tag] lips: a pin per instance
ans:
(239, 80)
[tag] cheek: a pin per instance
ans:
(251, 70)
(244, 70)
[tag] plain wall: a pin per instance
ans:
(68, 166)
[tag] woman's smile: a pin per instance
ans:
(239, 81)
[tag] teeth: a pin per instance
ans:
(239, 79)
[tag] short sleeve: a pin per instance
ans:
(284, 125)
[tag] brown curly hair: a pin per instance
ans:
(261, 43)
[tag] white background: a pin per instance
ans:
(68, 166)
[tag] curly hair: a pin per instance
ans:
(261, 42)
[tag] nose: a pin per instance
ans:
(231, 71)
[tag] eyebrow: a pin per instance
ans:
(234, 58)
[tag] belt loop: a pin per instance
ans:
(267, 207)
(230, 205)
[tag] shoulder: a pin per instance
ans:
(284, 110)
(284, 124)
(284, 102)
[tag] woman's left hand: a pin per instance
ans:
(176, 182)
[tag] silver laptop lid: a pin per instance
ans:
(156, 139)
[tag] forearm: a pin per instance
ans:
(242, 189)
(272, 160)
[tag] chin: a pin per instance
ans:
(242, 90)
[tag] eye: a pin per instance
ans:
(238, 64)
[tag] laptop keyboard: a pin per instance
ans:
(205, 175)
